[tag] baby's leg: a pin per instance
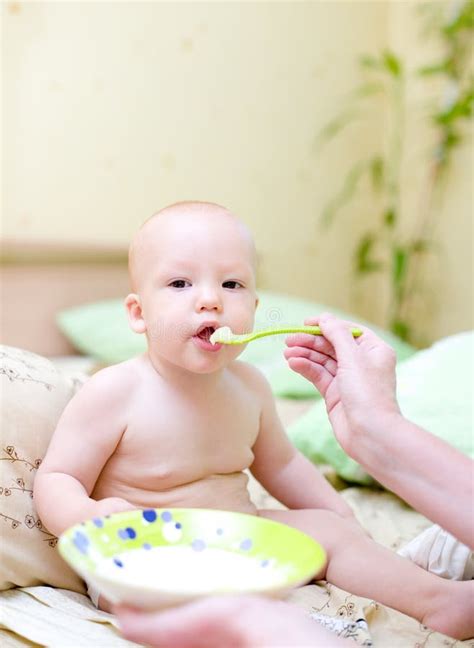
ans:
(361, 566)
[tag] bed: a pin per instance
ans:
(39, 280)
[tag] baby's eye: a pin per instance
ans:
(179, 283)
(232, 285)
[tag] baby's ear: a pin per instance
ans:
(134, 313)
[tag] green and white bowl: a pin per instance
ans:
(159, 557)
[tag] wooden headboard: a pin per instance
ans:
(40, 279)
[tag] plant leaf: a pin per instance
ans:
(368, 89)
(461, 109)
(434, 68)
(392, 63)
(370, 62)
(335, 126)
(464, 19)
(399, 267)
(345, 194)
(401, 329)
(377, 172)
(420, 245)
(389, 217)
(364, 261)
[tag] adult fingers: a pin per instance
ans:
(339, 334)
(323, 359)
(316, 342)
(190, 626)
(315, 321)
(328, 320)
(369, 338)
(318, 375)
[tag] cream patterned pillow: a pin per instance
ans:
(33, 396)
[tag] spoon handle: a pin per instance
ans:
(313, 330)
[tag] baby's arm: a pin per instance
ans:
(87, 434)
(282, 470)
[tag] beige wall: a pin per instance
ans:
(112, 110)
(446, 276)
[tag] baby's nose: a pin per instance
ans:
(209, 299)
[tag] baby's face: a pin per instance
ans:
(197, 274)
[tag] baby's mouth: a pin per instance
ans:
(205, 333)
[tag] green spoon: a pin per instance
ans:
(224, 334)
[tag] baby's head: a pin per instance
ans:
(192, 269)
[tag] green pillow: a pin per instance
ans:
(101, 330)
(434, 389)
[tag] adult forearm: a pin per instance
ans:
(61, 501)
(429, 474)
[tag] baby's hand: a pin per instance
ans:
(111, 505)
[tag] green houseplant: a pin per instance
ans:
(385, 248)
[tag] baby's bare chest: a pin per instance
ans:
(175, 441)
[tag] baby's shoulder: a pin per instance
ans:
(114, 382)
(250, 376)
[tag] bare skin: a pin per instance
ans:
(179, 425)
(356, 376)
(233, 622)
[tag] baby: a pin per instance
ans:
(178, 426)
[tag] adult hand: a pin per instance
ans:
(356, 376)
(230, 621)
